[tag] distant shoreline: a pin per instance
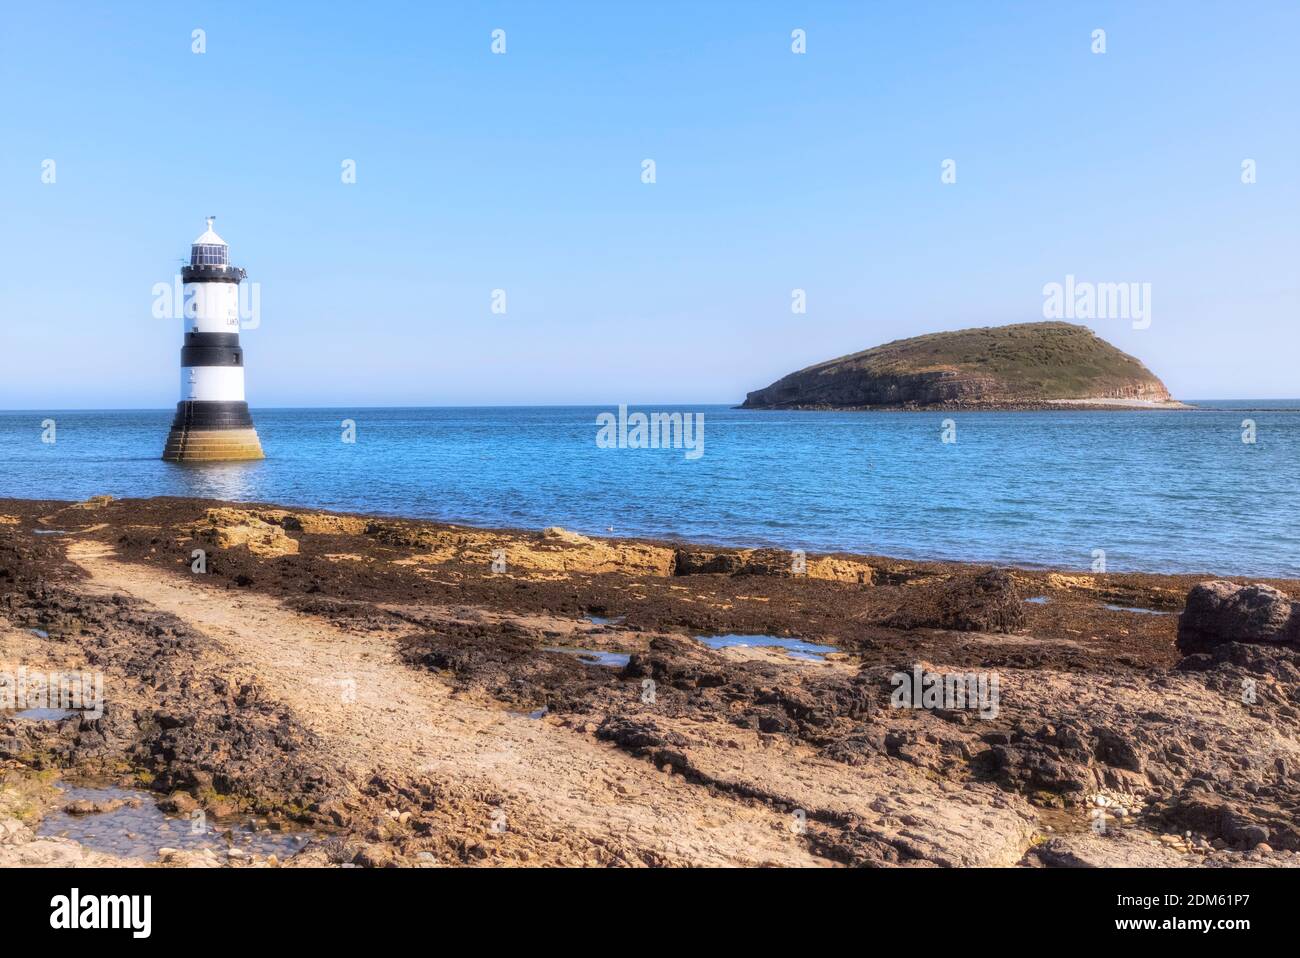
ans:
(13, 509)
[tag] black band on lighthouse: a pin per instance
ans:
(211, 356)
(212, 274)
(229, 340)
(192, 414)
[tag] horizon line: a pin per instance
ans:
(587, 405)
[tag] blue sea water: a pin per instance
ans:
(1158, 491)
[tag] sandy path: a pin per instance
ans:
(372, 711)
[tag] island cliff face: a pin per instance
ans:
(1008, 367)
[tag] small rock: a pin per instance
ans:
(87, 807)
(14, 832)
(179, 803)
(374, 856)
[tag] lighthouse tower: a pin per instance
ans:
(212, 421)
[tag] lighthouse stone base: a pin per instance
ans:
(212, 432)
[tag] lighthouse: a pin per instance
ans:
(212, 421)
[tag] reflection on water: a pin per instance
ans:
(795, 648)
(216, 480)
(614, 660)
(42, 715)
(1135, 609)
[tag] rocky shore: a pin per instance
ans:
(300, 688)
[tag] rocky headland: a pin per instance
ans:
(1024, 366)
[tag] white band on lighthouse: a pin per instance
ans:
(212, 307)
(212, 383)
(212, 420)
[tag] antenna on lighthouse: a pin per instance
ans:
(210, 221)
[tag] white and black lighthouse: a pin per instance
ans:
(212, 421)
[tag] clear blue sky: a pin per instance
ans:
(775, 171)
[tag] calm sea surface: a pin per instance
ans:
(1158, 491)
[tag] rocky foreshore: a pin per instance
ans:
(322, 689)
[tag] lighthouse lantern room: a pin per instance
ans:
(212, 421)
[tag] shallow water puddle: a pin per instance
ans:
(615, 660)
(39, 633)
(51, 532)
(140, 828)
(1039, 600)
(43, 715)
(535, 714)
(601, 620)
(795, 648)
(1130, 608)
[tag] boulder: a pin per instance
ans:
(559, 534)
(699, 562)
(778, 563)
(987, 602)
(230, 528)
(1218, 612)
(94, 502)
(315, 523)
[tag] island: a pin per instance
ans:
(1021, 366)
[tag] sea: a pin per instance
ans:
(1157, 491)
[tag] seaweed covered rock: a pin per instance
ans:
(987, 602)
